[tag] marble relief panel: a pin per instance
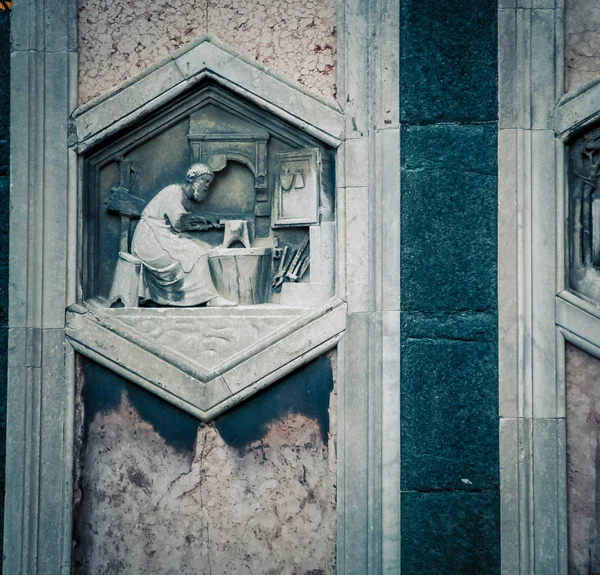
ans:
(219, 207)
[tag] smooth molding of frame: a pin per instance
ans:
(368, 216)
(42, 268)
(531, 273)
(578, 110)
(205, 393)
(578, 319)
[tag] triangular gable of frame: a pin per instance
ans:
(197, 62)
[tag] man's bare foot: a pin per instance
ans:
(220, 302)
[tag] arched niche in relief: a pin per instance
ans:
(267, 222)
(584, 214)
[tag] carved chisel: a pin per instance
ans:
(278, 279)
(303, 267)
(292, 273)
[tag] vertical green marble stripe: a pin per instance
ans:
(449, 378)
(4, 212)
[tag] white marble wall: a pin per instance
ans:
(45, 53)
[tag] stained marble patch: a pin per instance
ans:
(254, 492)
(583, 461)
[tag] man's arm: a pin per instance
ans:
(190, 223)
(180, 219)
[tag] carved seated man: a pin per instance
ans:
(175, 269)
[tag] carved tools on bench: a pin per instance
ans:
(295, 268)
(278, 278)
(293, 271)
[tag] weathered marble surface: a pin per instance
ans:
(252, 493)
(5, 211)
(221, 336)
(583, 428)
(582, 42)
(117, 40)
(297, 39)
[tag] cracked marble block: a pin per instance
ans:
(582, 43)
(298, 40)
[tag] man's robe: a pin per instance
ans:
(175, 268)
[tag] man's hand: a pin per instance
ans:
(200, 224)
(192, 222)
(195, 220)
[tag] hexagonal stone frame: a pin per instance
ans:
(179, 378)
(205, 392)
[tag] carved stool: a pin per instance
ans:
(126, 283)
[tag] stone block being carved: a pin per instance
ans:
(242, 275)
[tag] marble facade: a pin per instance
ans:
(326, 133)
(323, 79)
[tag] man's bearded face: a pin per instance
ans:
(200, 186)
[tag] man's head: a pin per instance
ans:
(200, 176)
